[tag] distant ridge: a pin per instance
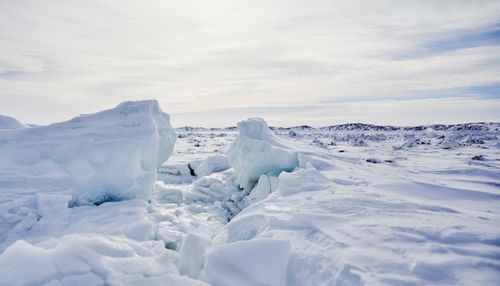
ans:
(475, 126)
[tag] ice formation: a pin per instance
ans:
(257, 151)
(212, 164)
(107, 156)
(409, 206)
(265, 186)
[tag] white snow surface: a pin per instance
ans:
(350, 204)
(7, 122)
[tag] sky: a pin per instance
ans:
(214, 63)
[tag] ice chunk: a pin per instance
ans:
(212, 164)
(257, 151)
(7, 122)
(168, 195)
(265, 186)
(107, 156)
(253, 262)
(192, 254)
(210, 189)
(302, 180)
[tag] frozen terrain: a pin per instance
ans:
(91, 201)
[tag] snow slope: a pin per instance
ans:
(352, 204)
(7, 122)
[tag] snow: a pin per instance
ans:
(192, 254)
(265, 186)
(253, 262)
(90, 260)
(258, 151)
(110, 155)
(302, 180)
(7, 122)
(350, 204)
(212, 164)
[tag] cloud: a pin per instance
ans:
(77, 57)
(452, 41)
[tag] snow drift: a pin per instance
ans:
(7, 122)
(107, 156)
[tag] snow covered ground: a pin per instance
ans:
(349, 204)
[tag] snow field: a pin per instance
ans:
(348, 205)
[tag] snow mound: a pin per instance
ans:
(107, 156)
(7, 122)
(257, 151)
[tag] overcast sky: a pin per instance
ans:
(214, 63)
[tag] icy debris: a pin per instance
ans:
(265, 186)
(218, 189)
(257, 151)
(7, 122)
(209, 189)
(253, 262)
(168, 195)
(107, 156)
